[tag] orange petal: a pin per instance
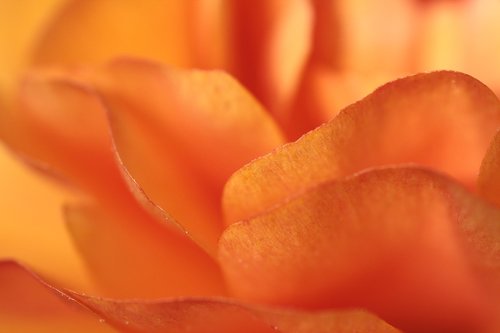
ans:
(196, 315)
(443, 120)
(408, 244)
(480, 18)
(180, 134)
(489, 176)
(327, 33)
(94, 31)
(28, 304)
(270, 55)
(210, 18)
(323, 93)
(228, 316)
(140, 260)
(376, 36)
(61, 124)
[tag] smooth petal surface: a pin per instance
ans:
(489, 177)
(28, 305)
(408, 244)
(128, 259)
(171, 127)
(168, 315)
(31, 219)
(20, 23)
(376, 36)
(442, 120)
(271, 55)
(94, 31)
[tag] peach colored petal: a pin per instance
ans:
(140, 260)
(408, 244)
(20, 24)
(270, 54)
(95, 31)
(29, 305)
(194, 315)
(171, 126)
(489, 176)
(443, 120)
(31, 219)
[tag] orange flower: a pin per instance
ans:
(191, 213)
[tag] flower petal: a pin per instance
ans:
(60, 123)
(28, 304)
(171, 126)
(196, 315)
(377, 35)
(408, 244)
(31, 219)
(489, 176)
(443, 120)
(20, 24)
(92, 32)
(140, 260)
(323, 93)
(270, 56)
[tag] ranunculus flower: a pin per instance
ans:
(193, 207)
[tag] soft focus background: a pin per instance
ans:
(368, 43)
(31, 226)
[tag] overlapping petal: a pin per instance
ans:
(489, 177)
(60, 124)
(171, 130)
(132, 256)
(31, 214)
(29, 305)
(271, 55)
(443, 120)
(195, 315)
(408, 244)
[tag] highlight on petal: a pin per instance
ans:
(377, 35)
(410, 245)
(128, 259)
(171, 127)
(27, 304)
(195, 315)
(270, 56)
(210, 18)
(94, 31)
(489, 176)
(443, 120)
